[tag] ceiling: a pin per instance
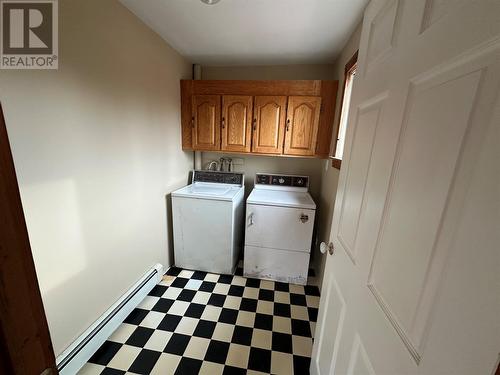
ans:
(253, 32)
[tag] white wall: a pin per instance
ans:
(330, 175)
(97, 148)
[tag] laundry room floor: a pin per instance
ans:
(197, 322)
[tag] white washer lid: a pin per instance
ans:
(281, 198)
(201, 190)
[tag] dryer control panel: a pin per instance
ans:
(281, 180)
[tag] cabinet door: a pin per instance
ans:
(269, 124)
(302, 125)
(206, 122)
(236, 123)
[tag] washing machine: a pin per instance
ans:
(280, 215)
(208, 223)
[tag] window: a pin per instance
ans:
(350, 73)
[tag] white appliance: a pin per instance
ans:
(208, 222)
(279, 226)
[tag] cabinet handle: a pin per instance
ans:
(304, 218)
(254, 124)
(250, 219)
(287, 124)
(223, 123)
(192, 122)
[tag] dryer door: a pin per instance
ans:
(279, 227)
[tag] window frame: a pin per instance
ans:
(351, 63)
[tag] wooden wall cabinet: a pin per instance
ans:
(206, 122)
(269, 124)
(284, 118)
(302, 125)
(236, 123)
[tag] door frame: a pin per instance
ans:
(25, 344)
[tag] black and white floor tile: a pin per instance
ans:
(201, 323)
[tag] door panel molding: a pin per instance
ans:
(434, 10)
(375, 105)
(358, 353)
(382, 34)
(449, 91)
(334, 300)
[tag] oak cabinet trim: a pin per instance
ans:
(256, 88)
(326, 120)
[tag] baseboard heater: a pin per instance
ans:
(77, 354)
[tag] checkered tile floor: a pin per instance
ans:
(201, 323)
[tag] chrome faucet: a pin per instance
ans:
(223, 165)
(213, 166)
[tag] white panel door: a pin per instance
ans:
(414, 281)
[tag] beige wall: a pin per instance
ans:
(320, 71)
(330, 175)
(96, 146)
